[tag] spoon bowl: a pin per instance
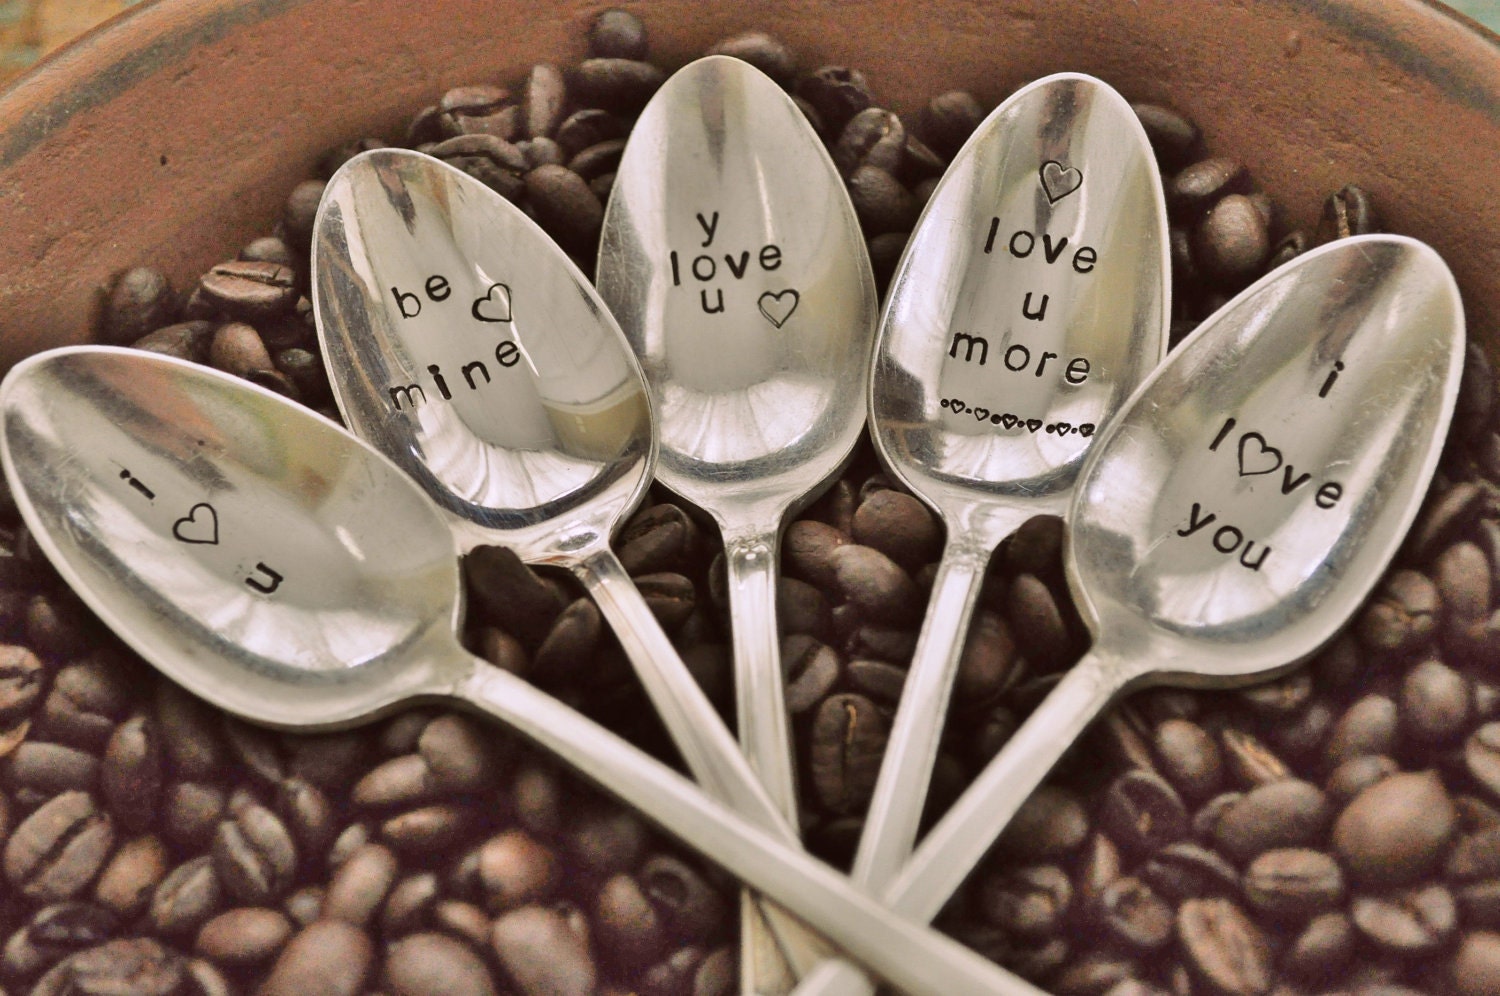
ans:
(1306, 417)
(171, 497)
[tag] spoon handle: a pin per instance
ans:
(906, 771)
(712, 756)
(961, 838)
(912, 958)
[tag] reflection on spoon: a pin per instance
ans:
(1236, 512)
(364, 618)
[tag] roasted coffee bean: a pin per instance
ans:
(873, 137)
(191, 813)
(329, 956)
(462, 756)
(1135, 916)
(1370, 726)
(309, 815)
(1188, 757)
(186, 898)
(630, 932)
(1051, 822)
(516, 870)
(607, 841)
(401, 781)
(617, 34)
(428, 829)
(1393, 832)
(1288, 813)
(22, 681)
(187, 340)
(848, 741)
(1198, 187)
(812, 671)
(692, 908)
(57, 851)
(87, 699)
(1435, 703)
(1249, 760)
(565, 206)
(836, 93)
(431, 964)
(1357, 774)
(1173, 137)
(880, 201)
(1031, 901)
(360, 884)
(510, 593)
(600, 159)
(244, 936)
(189, 733)
(304, 905)
(808, 547)
(1037, 622)
(1348, 212)
(1231, 242)
(949, 119)
(1185, 870)
(1323, 948)
(254, 855)
(1142, 813)
(410, 902)
(1474, 855)
(50, 768)
(131, 777)
(238, 349)
(137, 966)
(1412, 922)
(1294, 882)
(52, 933)
(299, 213)
(1476, 964)
(1224, 947)
(659, 538)
(1479, 903)
(673, 975)
(134, 871)
(615, 84)
(801, 608)
(670, 596)
(141, 301)
(542, 953)
(250, 291)
(762, 51)
(886, 643)
(1098, 866)
(1401, 615)
(900, 527)
(876, 680)
(875, 584)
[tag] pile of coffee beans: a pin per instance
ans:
(1335, 831)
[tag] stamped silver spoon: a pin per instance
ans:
(1033, 297)
(464, 345)
(733, 260)
(280, 568)
(1235, 513)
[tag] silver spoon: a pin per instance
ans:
(733, 260)
(1032, 298)
(465, 346)
(280, 568)
(1235, 513)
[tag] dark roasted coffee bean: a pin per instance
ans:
(188, 896)
(836, 93)
(875, 584)
(1250, 760)
(1051, 822)
(809, 546)
(618, 34)
(848, 741)
(1094, 974)
(510, 593)
(615, 84)
(1285, 696)
(949, 119)
(607, 841)
(1173, 137)
(429, 829)
(410, 902)
(1393, 832)
(1347, 212)
(1224, 947)
(1323, 948)
(1290, 813)
(586, 128)
(401, 781)
(131, 777)
(361, 884)
(880, 201)
(1188, 871)
(1357, 774)
(812, 671)
(873, 137)
(802, 609)
(1482, 757)
(187, 340)
(630, 932)
(191, 813)
(270, 249)
(763, 52)
(86, 701)
(1435, 703)
(329, 956)
(516, 870)
(54, 932)
(300, 211)
(1474, 855)
(250, 291)
(1188, 757)
(304, 905)
(247, 935)
(565, 206)
(134, 871)
(542, 953)
(1231, 242)
(1294, 882)
(1476, 963)
(598, 160)
(1031, 901)
(659, 538)
(238, 349)
(1142, 813)
(462, 756)
(135, 966)
(670, 596)
(1098, 866)
(22, 681)
(189, 733)
(141, 301)
(1135, 916)
(877, 680)
(692, 909)
(254, 855)
(1286, 249)
(900, 527)
(1370, 726)
(1198, 187)
(48, 769)
(431, 964)
(57, 851)
(1402, 613)
(1407, 923)
(1037, 622)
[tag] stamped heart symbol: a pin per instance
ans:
(200, 525)
(1033, 424)
(1256, 456)
(494, 306)
(1086, 430)
(981, 413)
(778, 307)
(1063, 428)
(1008, 420)
(1058, 181)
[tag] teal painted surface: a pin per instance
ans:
(1486, 12)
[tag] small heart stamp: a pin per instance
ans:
(1058, 181)
(199, 526)
(982, 414)
(494, 306)
(778, 307)
(1263, 458)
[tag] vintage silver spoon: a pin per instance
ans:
(464, 345)
(733, 260)
(1235, 513)
(1032, 298)
(280, 568)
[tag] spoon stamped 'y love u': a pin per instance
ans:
(1236, 512)
(733, 260)
(282, 569)
(1031, 300)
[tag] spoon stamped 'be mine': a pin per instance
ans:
(280, 568)
(1031, 300)
(1236, 512)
